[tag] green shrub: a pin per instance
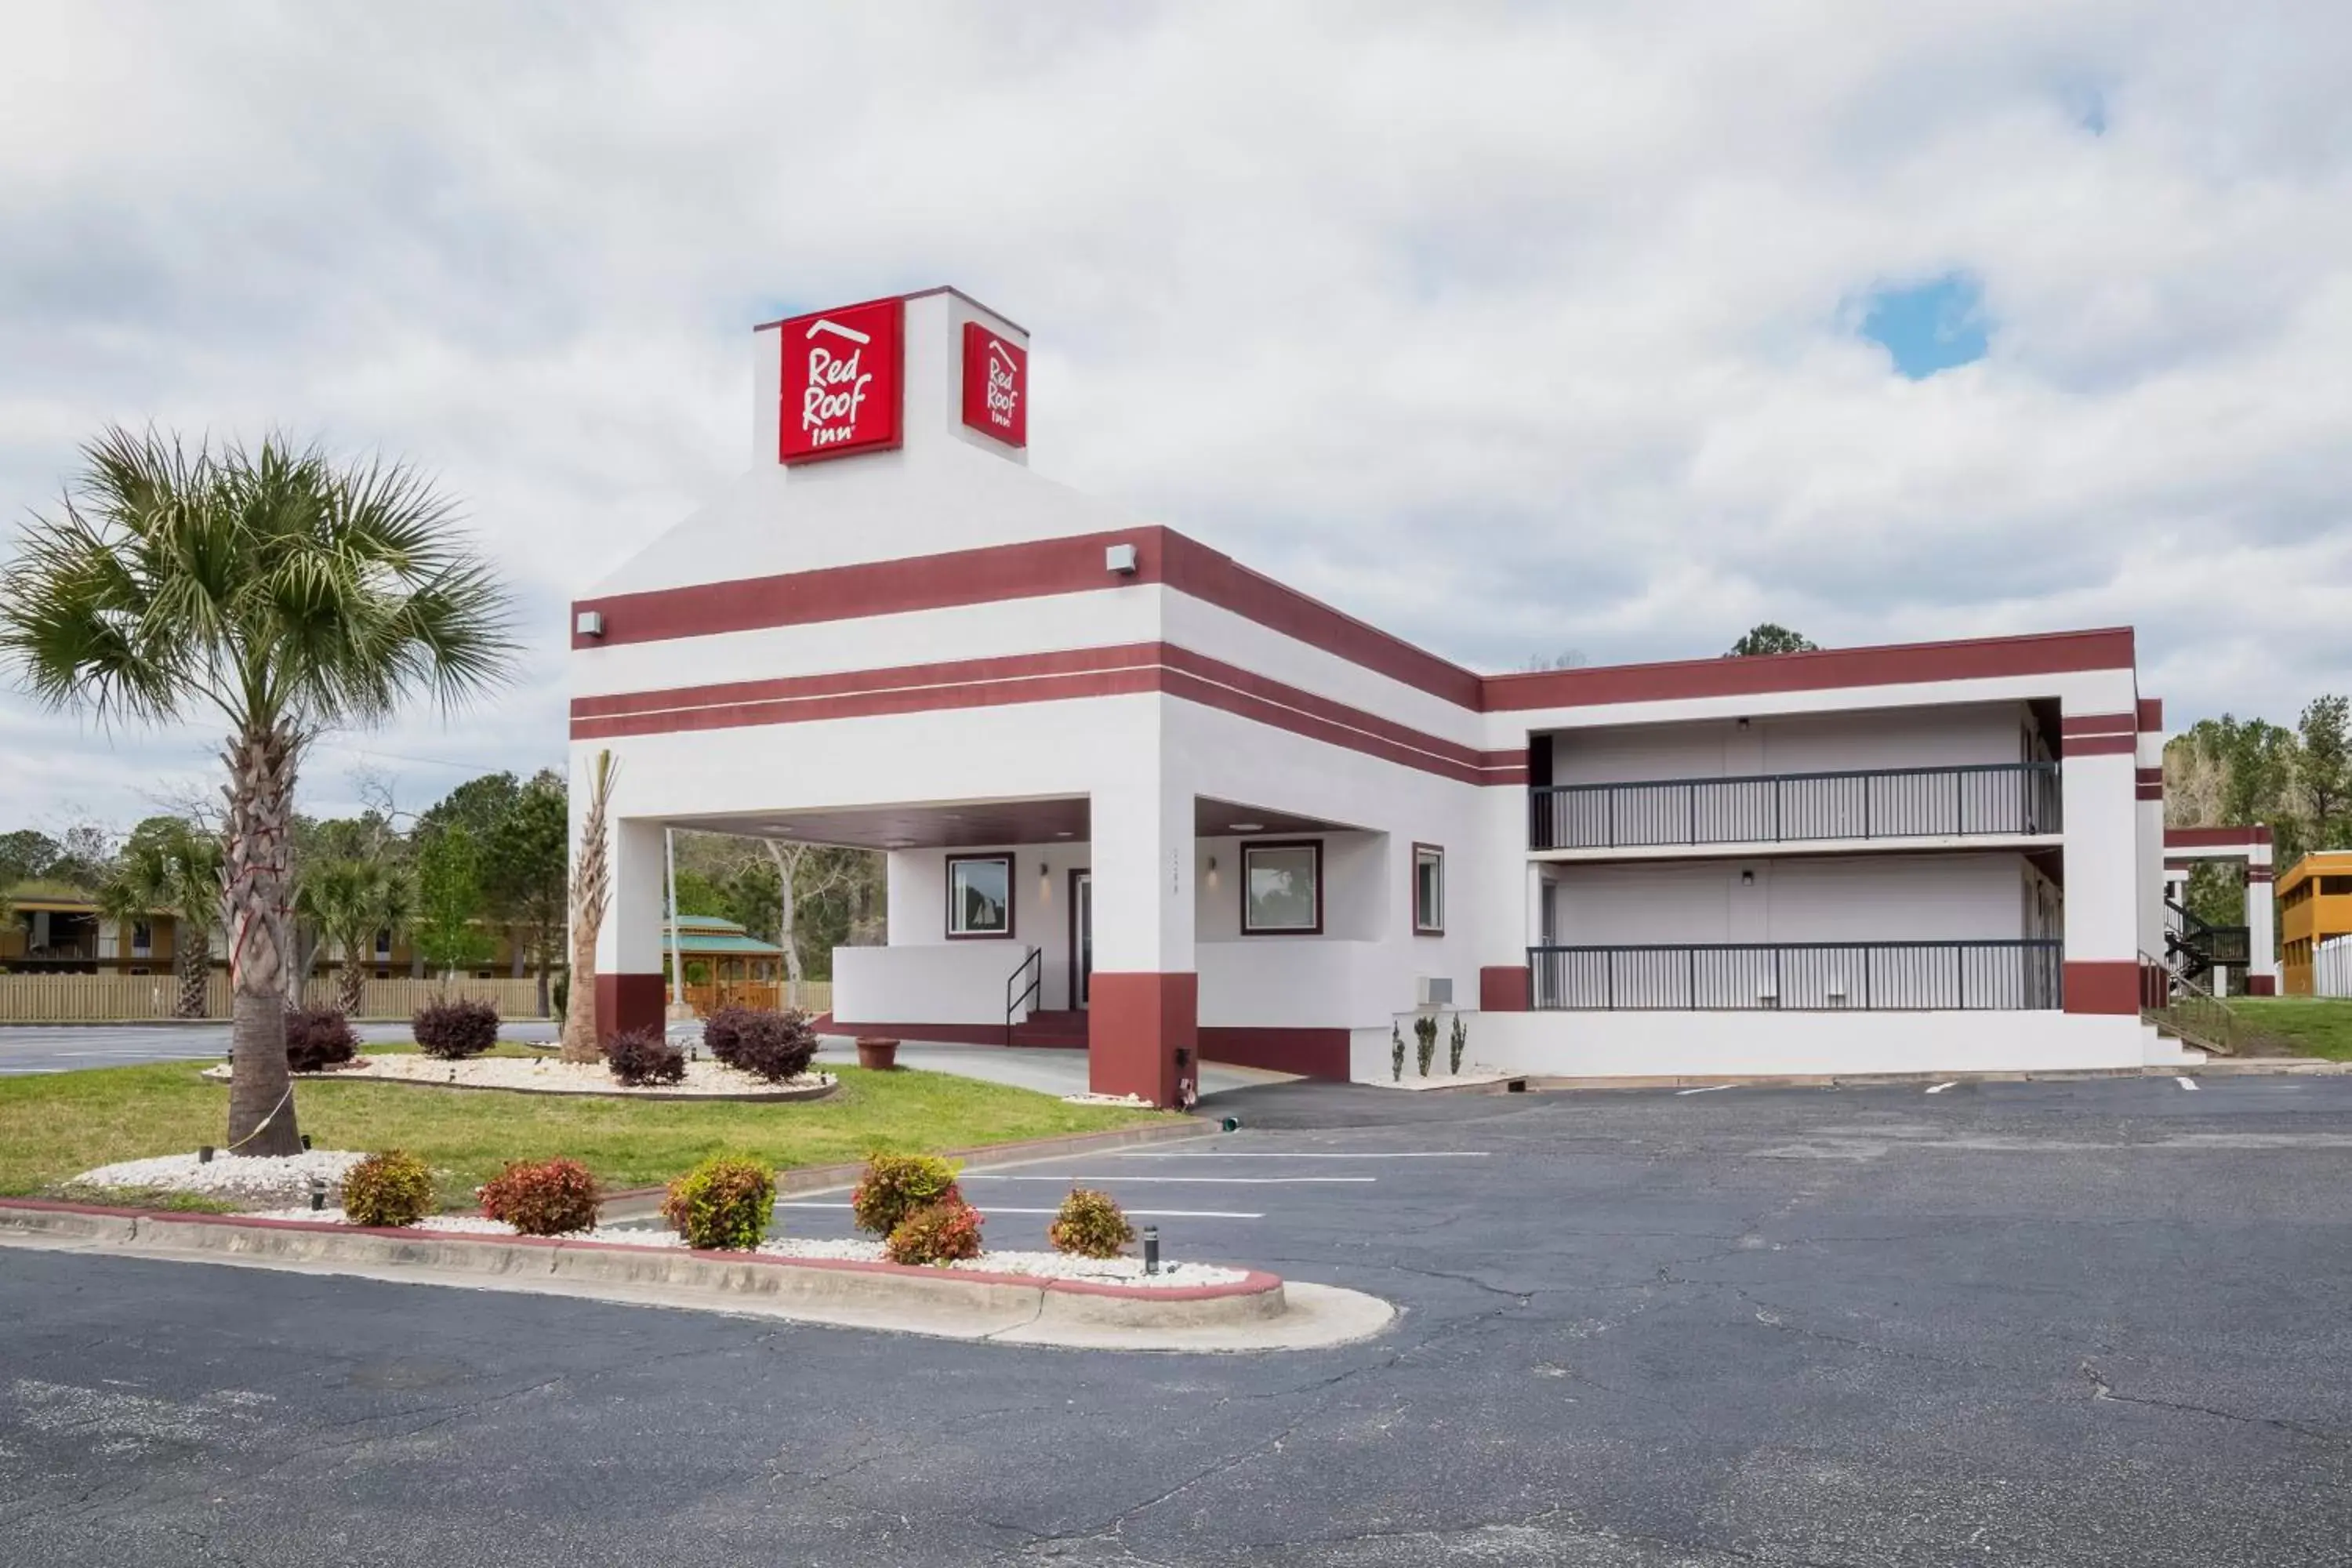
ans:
(1424, 1035)
(723, 1204)
(1455, 1044)
(454, 1029)
(896, 1186)
(391, 1187)
(1089, 1225)
(943, 1231)
(549, 1197)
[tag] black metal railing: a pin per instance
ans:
(1022, 987)
(1801, 977)
(1774, 808)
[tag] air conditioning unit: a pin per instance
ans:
(1433, 991)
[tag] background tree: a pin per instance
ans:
(280, 595)
(524, 867)
(448, 931)
(169, 866)
(351, 900)
(1770, 637)
(2321, 770)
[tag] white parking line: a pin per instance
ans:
(1709, 1088)
(1263, 1155)
(1138, 1214)
(2186, 1083)
(1940, 1088)
(1227, 1181)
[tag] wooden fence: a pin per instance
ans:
(136, 998)
(133, 998)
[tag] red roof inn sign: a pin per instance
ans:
(840, 387)
(995, 386)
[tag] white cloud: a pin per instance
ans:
(1513, 329)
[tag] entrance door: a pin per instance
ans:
(1082, 936)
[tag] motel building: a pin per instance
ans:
(1141, 800)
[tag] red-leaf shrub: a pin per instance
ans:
(723, 1204)
(640, 1058)
(894, 1185)
(770, 1046)
(550, 1197)
(393, 1187)
(318, 1038)
(453, 1029)
(1089, 1225)
(945, 1232)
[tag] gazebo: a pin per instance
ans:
(726, 967)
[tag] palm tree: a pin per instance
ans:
(275, 591)
(173, 868)
(349, 901)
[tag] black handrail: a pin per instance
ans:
(1033, 965)
(1997, 975)
(2014, 798)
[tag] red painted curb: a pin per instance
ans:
(1255, 1282)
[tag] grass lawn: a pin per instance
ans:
(2313, 1025)
(55, 1125)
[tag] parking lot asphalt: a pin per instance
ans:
(2046, 1323)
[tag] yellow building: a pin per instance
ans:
(55, 928)
(2315, 897)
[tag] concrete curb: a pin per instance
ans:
(641, 1202)
(1252, 1313)
(2305, 1065)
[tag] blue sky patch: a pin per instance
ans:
(1930, 326)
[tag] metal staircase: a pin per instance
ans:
(2194, 949)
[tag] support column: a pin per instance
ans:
(1144, 1000)
(628, 948)
(2098, 778)
(2262, 935)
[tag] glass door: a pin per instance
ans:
(1082, 936)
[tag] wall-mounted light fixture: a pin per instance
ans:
(1746, 879)
(1213, 870)
(1045, 884)
(1119, 559)
(588, 624)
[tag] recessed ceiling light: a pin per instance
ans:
(1064, 833)
(1246, 828)
(898, 843)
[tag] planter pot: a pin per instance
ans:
(878, 1054)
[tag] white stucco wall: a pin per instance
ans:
(1889, 897)
(1933, 737)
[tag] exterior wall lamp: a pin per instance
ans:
(588, 624)
(1119, 559)
(1213, 870)
(1045, 884)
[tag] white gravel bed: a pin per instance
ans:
(549, 1076)
(245, 1178)
(1044, 1265)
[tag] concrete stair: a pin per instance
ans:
(1064, 1030)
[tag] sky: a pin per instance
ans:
(1524, 332)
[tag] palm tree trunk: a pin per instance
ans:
(350, 979)
(590, 885)
(192, 960)
(255, 895)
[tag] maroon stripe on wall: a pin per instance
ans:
(2151, 714)
(2214, 837)
(847, 682)
(2101, 745)
(870, 704)
(1984, 658)
(1033, 569)
(2102, 986)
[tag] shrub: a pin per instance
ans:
(454, 1029)
(723, 1204)
(1090, 1225)
(549, 1197)
(639, 1057)
(1455, 1044)
(1424, 1035)
(770, 1046)
(942, 1232)
(318, 1038)
(896, 1186)
(390, 1187)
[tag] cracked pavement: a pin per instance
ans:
(2067, 1324)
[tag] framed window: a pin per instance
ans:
(142, 936)
(980, 895)
(1428, 890)
(1282, 888)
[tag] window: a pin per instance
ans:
(980, 895)
(1282, 888)
(1428, 890)
(2334, 887)
(142, 937)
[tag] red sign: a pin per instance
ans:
(995, 386)
(840, 389)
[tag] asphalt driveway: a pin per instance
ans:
(2099, 1323)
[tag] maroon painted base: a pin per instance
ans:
(2262, 984)
(1503, 988)
(1142, 1036)
(629, 1002)
(2103, 986)
(1310, 1053)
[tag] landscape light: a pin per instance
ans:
(318, 1194)
(1151, 1249)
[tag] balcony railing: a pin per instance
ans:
(1805, 977)
(1779, 808)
